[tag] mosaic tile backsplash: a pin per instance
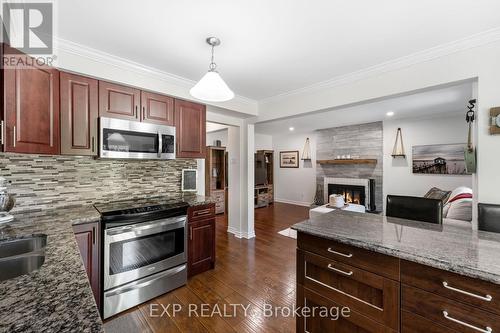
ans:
(45, 181)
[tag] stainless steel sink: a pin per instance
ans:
(17, 246)
(21, 256)
(12, 267)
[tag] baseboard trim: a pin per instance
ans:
(240, 234)
(293, 202)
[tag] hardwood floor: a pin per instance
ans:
(247, 272)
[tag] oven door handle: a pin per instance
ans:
(160, 144)
(146, 281)
(127, 232)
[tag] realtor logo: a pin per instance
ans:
(28, 27)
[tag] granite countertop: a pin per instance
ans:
(453, 246)
(57, 297)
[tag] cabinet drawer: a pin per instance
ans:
(201, 212)
(475, 292)
(355, 322)
(369, 294)
(412, 323)
(371, 261)
(454, 315)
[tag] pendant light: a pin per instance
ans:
(212, 87)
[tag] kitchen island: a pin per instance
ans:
(397, 275)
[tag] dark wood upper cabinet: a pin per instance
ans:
(157, 109)
(190, 123)
(79, 113)
(31, 106)
(88, 240)
(117, 101)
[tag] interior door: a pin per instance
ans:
(117, 101)
(190, 123)
(31, 108)
(157, 109)
(79, 113)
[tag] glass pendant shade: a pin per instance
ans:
(212, 88)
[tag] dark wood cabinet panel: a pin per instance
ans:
(412, 323)
(458, 316)
(201, 239)
(202, 212)
(190, 123)
(31, 105)
(117, 101)
(371, 261)
(88, 240)
(475, 292)
(353, 323)
(374, 296)
(201, 256)
(79, 113)
(157, 109)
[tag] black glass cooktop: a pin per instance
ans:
(125, 212)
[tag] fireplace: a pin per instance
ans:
(352, 193)
(354, 190)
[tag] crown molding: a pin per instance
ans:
(108, 59)
(442, 50)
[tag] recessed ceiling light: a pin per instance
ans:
(390, 114)
(291, 128)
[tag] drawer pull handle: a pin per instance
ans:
(486, 298)
(202, 212)
(487, 330)
(339, 270)
(349, 255)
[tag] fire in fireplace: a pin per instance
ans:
(352, 193)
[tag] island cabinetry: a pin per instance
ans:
(351, 277)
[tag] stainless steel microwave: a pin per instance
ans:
(132, 139)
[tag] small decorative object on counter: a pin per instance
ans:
(7, 202)
(218, 143)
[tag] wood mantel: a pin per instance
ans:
(350, 161)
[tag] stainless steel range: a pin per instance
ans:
(144, 251)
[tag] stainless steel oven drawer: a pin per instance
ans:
(122, 298)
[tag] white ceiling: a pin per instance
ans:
(271, 47)
(447, 100)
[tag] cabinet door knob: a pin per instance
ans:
(135, 113)
(93, 144)
(191, 233)
(143, 112)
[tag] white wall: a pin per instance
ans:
(398, 176)
(472, 59)
(217, 135)
(263, 142)
(295, 186)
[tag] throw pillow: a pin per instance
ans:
(436, 193)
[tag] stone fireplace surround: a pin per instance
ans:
(359, 141)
